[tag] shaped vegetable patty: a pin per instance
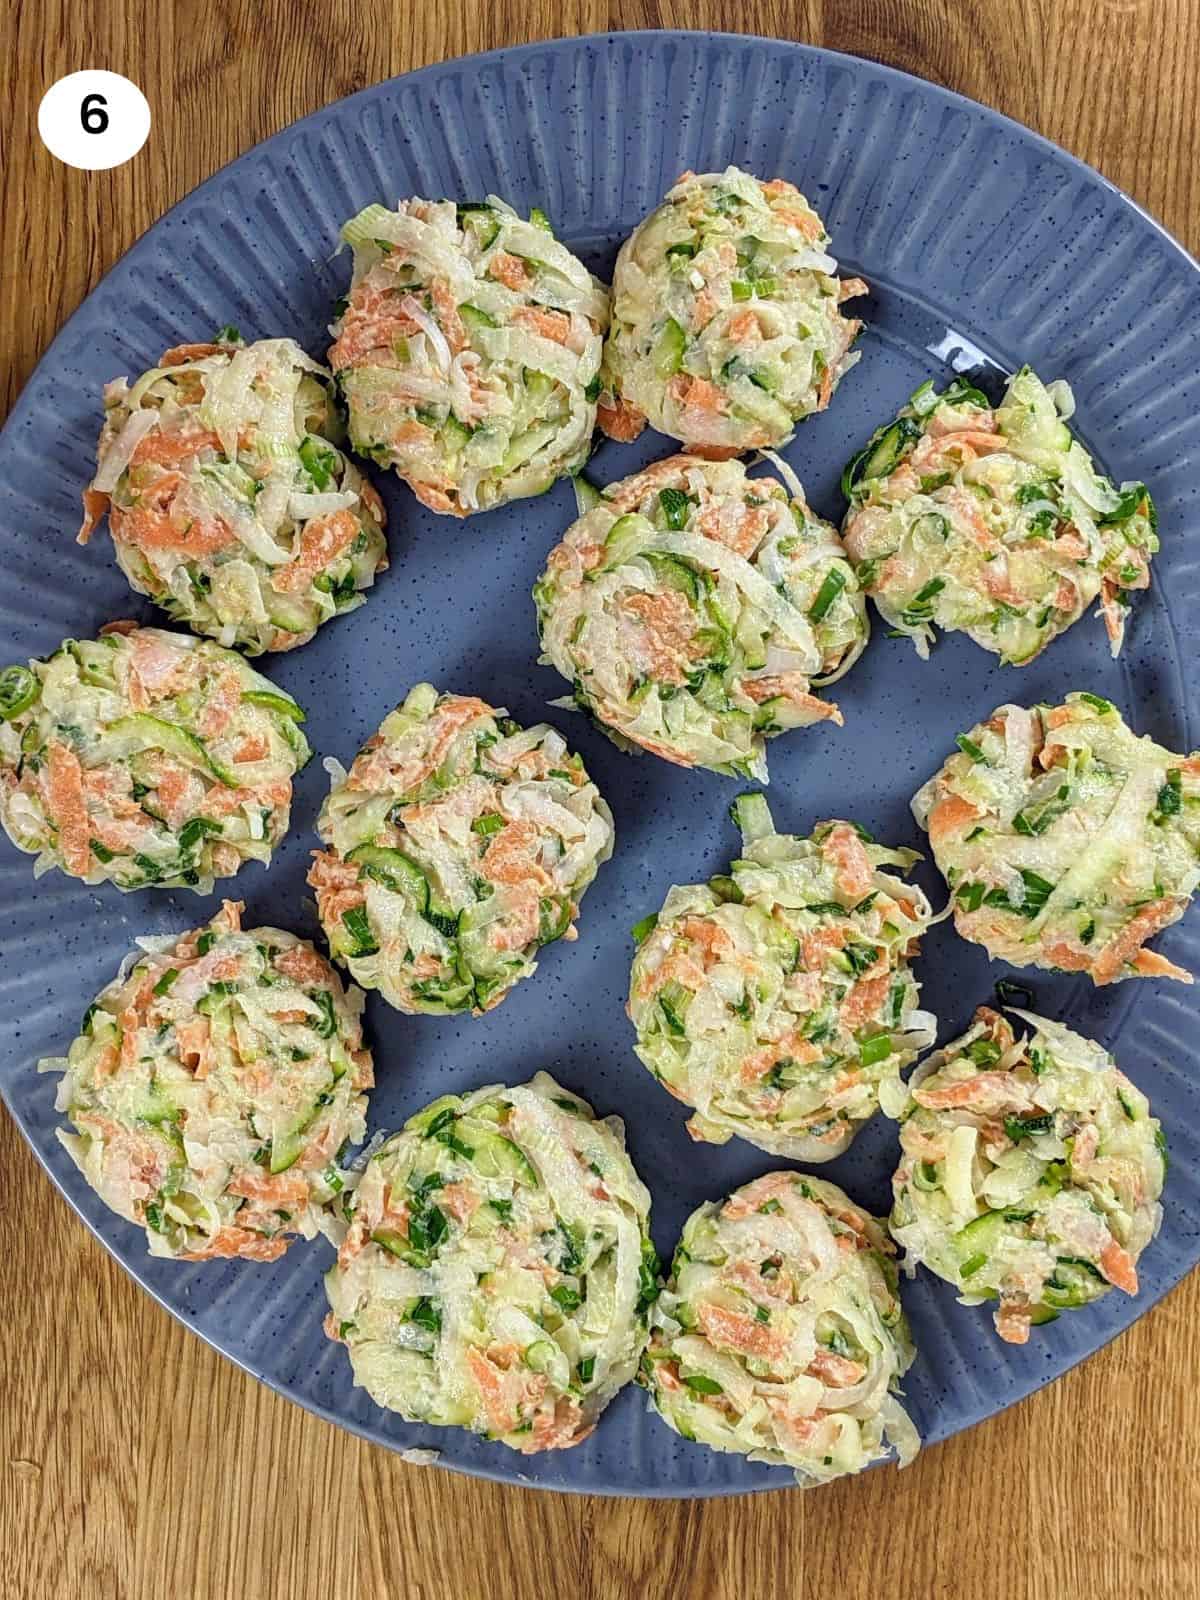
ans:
(727, 327)
(212, 1088)
(459, 844)
(146, 758)
(1066, 840)
(1030, 1171)
(779, 1000)
(694, 610)
(228, 500)
(780, 1334)
(994, 521)
(498, 1270)
(468, 351)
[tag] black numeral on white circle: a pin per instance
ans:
(93, 113)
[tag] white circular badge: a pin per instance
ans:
(94, 120)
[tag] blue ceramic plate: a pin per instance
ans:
(983, 246)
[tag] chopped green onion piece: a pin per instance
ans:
(1170, 796)
(1097, 703)
(1018, 1128)
(700, 1384)
(835, 582)
(675, 506)
(356, 925)
(875, 1049)
(18, 690)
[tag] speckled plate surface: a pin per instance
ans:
(984, 245)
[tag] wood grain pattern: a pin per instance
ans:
(135, 1464)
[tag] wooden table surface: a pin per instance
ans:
(136, 1464)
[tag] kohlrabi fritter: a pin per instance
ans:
(468, 350)
(727, 325)
(779, 1000)
(694, 610)
(229, 500)
(780, 1334)
(993, 520)
(212, 1088)
(1066, 840)
(1030, 1171)
(497, 1270)
(146, 758)
(457, 845)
